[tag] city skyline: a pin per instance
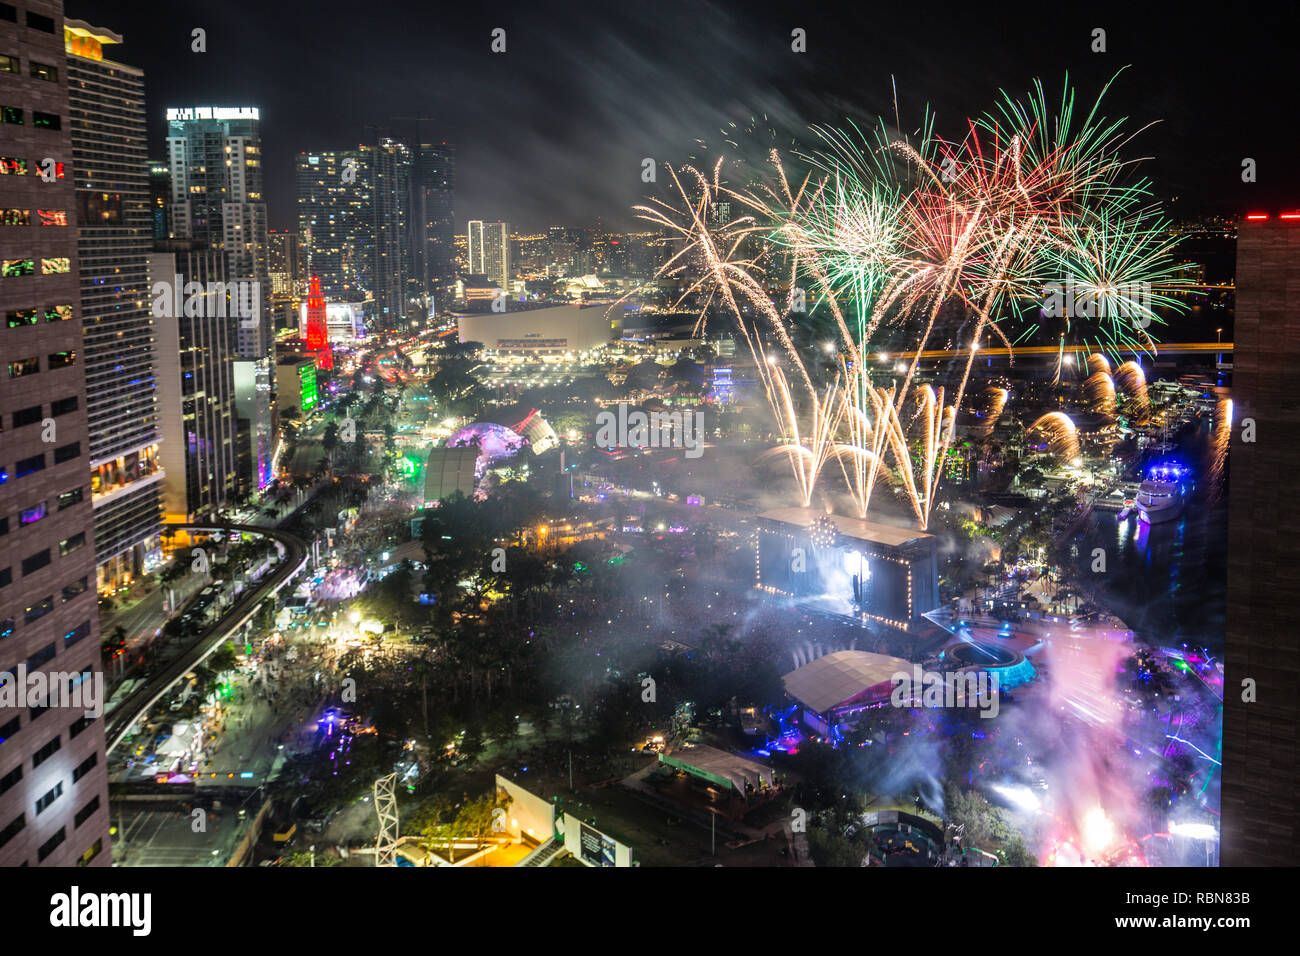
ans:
(688, 436)
(582, 96)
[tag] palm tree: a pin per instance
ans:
(329, 442)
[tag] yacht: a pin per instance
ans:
(1162, 495)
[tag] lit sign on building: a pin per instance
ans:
(307, 376)
(214, 113)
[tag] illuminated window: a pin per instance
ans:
(58, 313)
(27, 466)
(8, 64)
(56, 266)
(22, 317)
(11, 166)
(62, 359)
(38, 610)
(33, 514)
(15, 217)
(91, 853)
(43, 803)
(11, 114)
(52, 217)
(20, 367)
(13, 268)
(46, 120)
(75, 543)
(43, 71)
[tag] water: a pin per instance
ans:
(1167, 581)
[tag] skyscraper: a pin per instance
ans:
(1260, 778)
(334, 217)
(433, 183)
(215, 156)
(53, 769)
(390, 169)
(354, 213)
(160, 198)
(196, 388)
(114, 232)
(489, 251)
(285, 262)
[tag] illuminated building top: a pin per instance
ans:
(214, 113)
(82, 39)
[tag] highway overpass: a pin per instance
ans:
(242, 611)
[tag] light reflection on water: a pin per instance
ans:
(1167, 581)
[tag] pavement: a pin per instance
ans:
(148, 836)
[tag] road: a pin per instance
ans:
(142, 620)
(139, 703)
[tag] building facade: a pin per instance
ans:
(196, 388)
(489, 251)
(433, 186)
(354, 216)
(53, 768)
(334, 212)
(1260, 826)
(285, 263)
(215, 158)
(390, 168)
(114, 237)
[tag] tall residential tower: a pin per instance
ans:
(215, 157)
(53, 769)
(489, 251)
(114, 231)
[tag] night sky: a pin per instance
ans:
(554, 130)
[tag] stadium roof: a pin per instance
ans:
(885, 534)
(841, 676)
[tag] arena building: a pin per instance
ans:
(546, 330)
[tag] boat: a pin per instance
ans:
(1162, 496)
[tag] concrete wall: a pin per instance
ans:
(528, 814)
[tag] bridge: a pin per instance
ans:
(240, 613)
(1169, 348)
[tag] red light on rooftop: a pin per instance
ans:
(1254, 216)
(1290, 215)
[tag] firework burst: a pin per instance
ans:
(885, 235)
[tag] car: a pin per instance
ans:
(319, 822)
